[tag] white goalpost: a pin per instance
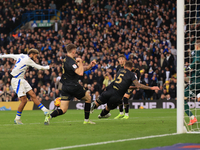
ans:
(180, 66)
(188, 29)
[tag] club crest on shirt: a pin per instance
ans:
(74, 66)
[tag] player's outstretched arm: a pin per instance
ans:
(142, 86)
(92, 64)
(33, 64)
(132, 87)
(9, 56)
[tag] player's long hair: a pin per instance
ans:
(33, 51)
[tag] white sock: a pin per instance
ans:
(44, 109)
(86, 120)
(17, 117)
(192, 117)
(126, 114)
(121, 113)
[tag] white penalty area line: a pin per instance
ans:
(114, 141)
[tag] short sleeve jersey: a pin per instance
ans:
(123, 80)
(68, 71)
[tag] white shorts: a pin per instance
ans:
(20, 86)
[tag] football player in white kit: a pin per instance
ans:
(20, 85)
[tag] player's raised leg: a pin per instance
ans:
(37, 102)
(23, 104)
(65, 99)
(112, 103)
(104, 113)
(18, 83)
(63, 109)
(21, 87)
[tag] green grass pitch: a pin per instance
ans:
(68, 130)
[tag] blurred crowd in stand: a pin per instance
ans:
(102, 30)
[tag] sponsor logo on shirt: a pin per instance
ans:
(74, 66)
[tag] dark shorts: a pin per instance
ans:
(130, 91)
(68, 92)
(110, 97)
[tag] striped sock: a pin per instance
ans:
(18, 115)
(42, 107)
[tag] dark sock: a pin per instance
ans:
(56, 113)
(126, 108)
(104, 112)
(121, 107)
(187, 109)
(87, 110)
(126, 105)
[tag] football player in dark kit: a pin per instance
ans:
(127, 95)
(71, 70)
(116, 90)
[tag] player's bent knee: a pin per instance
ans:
(64, 106)
(87, 98)
(64, 111)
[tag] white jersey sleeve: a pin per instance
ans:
(22, 63)
(14, 56)
(33, 64)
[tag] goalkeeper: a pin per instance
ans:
(194, 86)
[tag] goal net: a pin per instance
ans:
(192, 64)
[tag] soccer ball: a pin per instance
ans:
(57, 101)
(141, 107)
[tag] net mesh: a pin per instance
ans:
(192, 63)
